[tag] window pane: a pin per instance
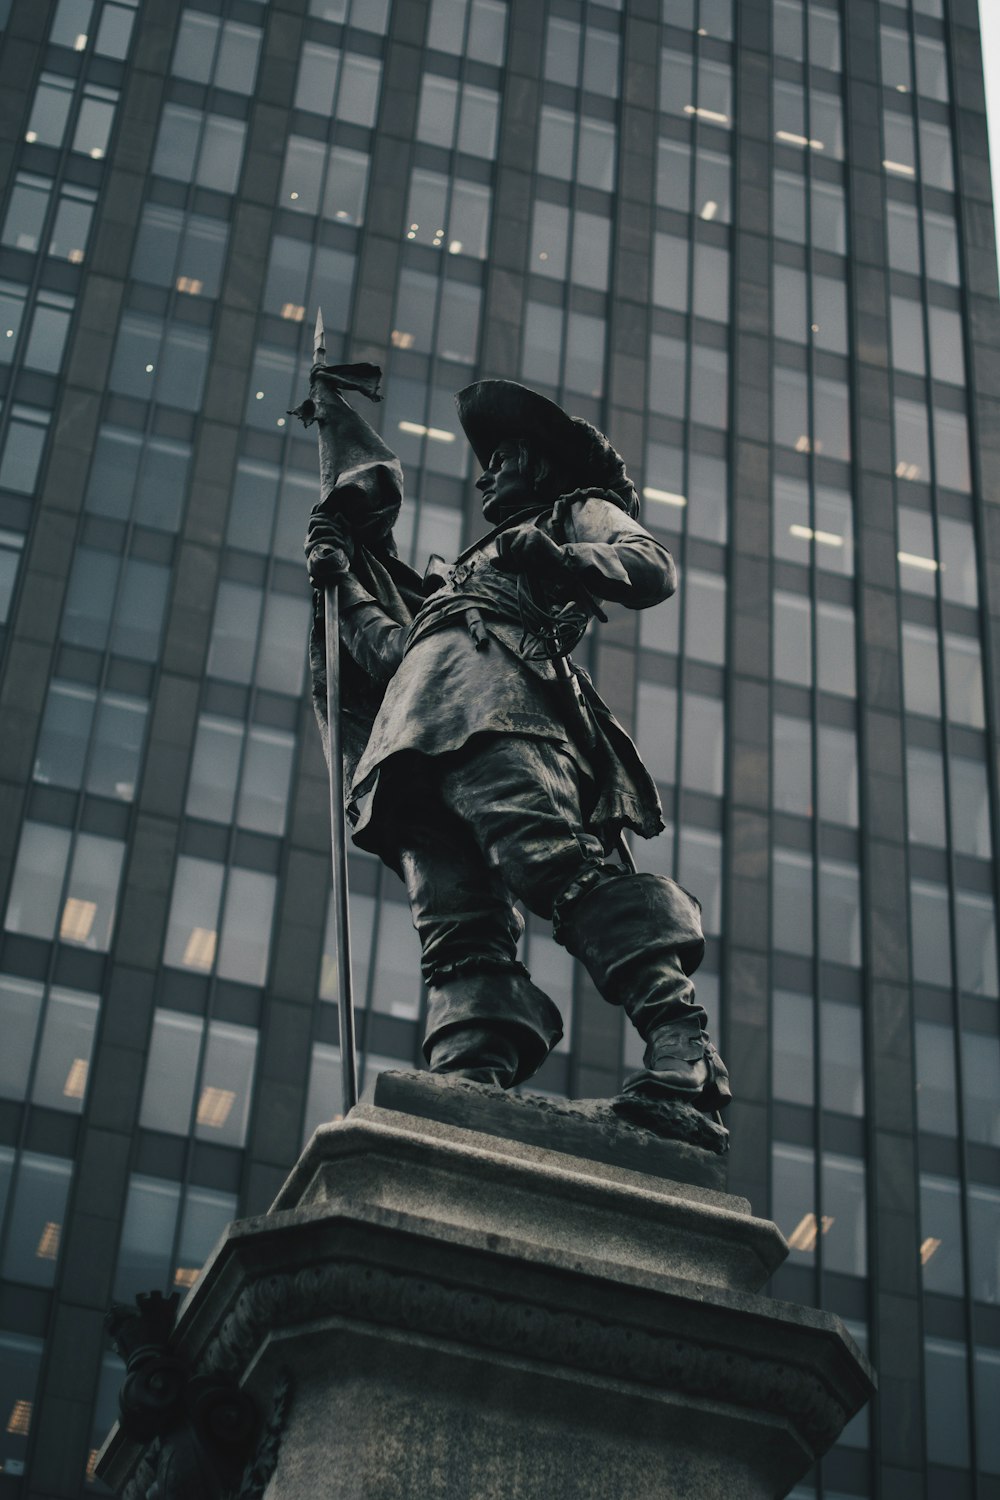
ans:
(35, 1219)
(20, 1005)
(793, 1200)
(596, 161)
(71, 226)
(792, 765)
(946, 1402)
(20, 1365)
(205, 1217)
(171, 1068)
(183, 367)
(281, 662)
(47, 339)
(194, 53)
(438, 105)
(845, 1246)
(90, 598)
(65, 734)
(656, 733)
(948, 351)
(591, 250)
(930, 933)
(113, 472)
(976, 942)
(226, 1081)
(792, 902)
(92, 892)
(542, 349)
(792, 638)
(549, 240)
(981, 1087)
(941, 247)
(221, 156)
(838, 776)
(970, 808)
(26, 212)
(139, 610)
(941, 1235)
(22, 454)
(702, 742)
(64, 1056)
(951, 450)
(324, 1097)
(36, 888)
(49, 110)
(839, 912)
(963, 676)
(792, 1048)
(921, 683)
(214, 769)
(236, 65)
(266, 775)
(194, 914)
(600, 62)
(246, 926)
(234, 632)
(117, 746)
(346, 186)
(936, 1087)
(925, 796)
(147, 1237)
(115, 31)
(177, 142)
(458, 336)
(71, 24)
(359, 90)
(842, 1076)
(958, 561)
(396, 988)
(903, 237)
(93, 126)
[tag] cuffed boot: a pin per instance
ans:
(640, 938)
(476, 1053)
(485, 1017)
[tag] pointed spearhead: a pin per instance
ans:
(319, 342)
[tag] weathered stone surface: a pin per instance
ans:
(468, 1317)
(587, 1128)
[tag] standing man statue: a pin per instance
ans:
(481, 765)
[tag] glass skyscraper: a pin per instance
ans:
(753, 241)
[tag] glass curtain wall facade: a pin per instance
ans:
(753, 242)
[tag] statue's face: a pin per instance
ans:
(504, 488)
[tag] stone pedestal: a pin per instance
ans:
(465, 1313)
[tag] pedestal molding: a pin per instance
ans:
(675, 1362)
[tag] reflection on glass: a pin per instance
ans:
(941, 1235)
(35, 1218)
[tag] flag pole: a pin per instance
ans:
(338, 825)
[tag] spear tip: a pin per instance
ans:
(319, 342)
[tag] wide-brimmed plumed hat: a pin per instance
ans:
(501, 411)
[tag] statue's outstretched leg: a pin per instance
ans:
(640, 939)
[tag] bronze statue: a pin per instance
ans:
(480, 763)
